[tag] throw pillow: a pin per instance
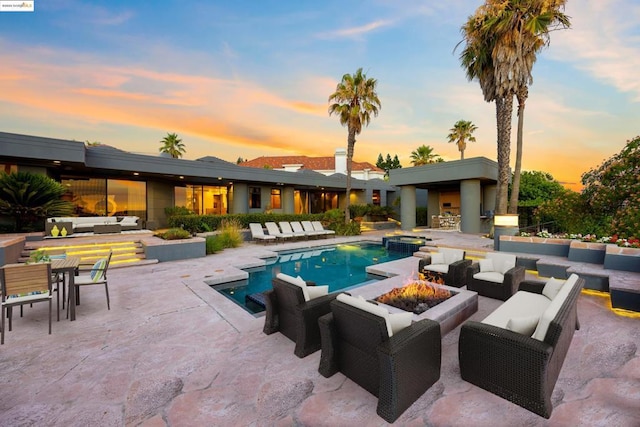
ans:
(399, 321)
(97, 271)
(523, 325)
(552, 287)
(437, 258)
(486, 265)
(317, 291)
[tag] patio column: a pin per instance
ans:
(433, 205)
(288, 205)
(240, 198)
(408, 206)
(470, 206)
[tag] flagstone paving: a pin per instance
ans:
(171, 351)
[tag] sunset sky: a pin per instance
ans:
(251, 78)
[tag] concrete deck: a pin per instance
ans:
(171, 351)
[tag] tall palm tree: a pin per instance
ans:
(172, 145)
(424, 155)
(354, 101)
(460, 133)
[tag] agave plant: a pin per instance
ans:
(29, 198)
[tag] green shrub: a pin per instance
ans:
(213, 244)
(358, 211)
(230, 233)
(175, 234)
(177, 210)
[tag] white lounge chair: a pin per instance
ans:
(317, 225)
(257, 233)
(286, 229)
(273, 230)
(297, 227)
(308, 227)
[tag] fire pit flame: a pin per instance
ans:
(417, 297)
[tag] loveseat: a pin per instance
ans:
(518, 350)
(82, 224)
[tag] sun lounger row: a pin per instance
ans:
(288, 230)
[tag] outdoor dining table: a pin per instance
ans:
(68, 266)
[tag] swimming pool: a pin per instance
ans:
(339, 266)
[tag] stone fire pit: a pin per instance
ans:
(416, 297)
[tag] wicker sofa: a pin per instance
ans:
(85, 223)
(506, 356)
(447, 263)
(288, 311)
(398, 369)
(497, 276)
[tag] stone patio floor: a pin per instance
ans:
(171, 351)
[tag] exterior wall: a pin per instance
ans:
(240, 198)
(341, 160)
(489, 198)
(408, 207)
(288, 205)
(433, 205)
(159, 196)
(470, 202)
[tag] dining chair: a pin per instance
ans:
(24, 284)
(97, 275)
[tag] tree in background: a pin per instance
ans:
(424, 155)
(388, 164)
(30, 198)
(536, 187)
(172, 145)
(240, 160)
(354, 101)
(460, 133)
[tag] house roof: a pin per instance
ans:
(313, 163)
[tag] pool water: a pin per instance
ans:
(340, 266)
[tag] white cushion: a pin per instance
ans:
(553, 308)
(521, 304)
(368, 307)
(552, 287)
(298, 281)
(451, 255)
(486, 265)
(490, 276)
(399, 321)
(439, 268)
(502, 262)
(524, 325)
(437, 258)
(317, 291)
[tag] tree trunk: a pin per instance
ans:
(351, 142)
(504, 109)
(515, 187)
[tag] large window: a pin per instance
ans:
(202, 199)
(276, 198)
(255, 198)
(107, 197)
(323, 201)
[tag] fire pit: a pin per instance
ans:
(417, 297)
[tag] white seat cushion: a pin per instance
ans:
(451, 255)
(490, 276)
(552, 287)
(521, 304)
(438, 268)
(486, 265)
(502, 262)
(437, 258)
(524, 325)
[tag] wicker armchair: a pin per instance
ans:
(398, 370)
(288, 312)
(502, 288)
(517, 367)
(453, 270)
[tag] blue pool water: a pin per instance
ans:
(340, 267)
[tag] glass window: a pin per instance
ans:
(254, 198)
(276, 198)
(126, 198)
(376, 197)
(88, 195)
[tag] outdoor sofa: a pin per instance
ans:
(518, 350)
(83, 224)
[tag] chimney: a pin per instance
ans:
(341, 161)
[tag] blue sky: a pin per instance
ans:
(252, 78)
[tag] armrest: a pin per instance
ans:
(532, 286)
(423, 261)
(328, 358)
(419, 338)
(474, 268)
(271, 321)
(513, 277)
(317, 306)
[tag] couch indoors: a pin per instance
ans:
(518, 350)
(84, 224)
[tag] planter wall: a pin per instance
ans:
(10, 250)
(619, 258)
(592, 253)
(172, 250)
(535, 245)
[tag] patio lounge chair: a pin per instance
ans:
(397, 369)
(447, 263)
(286, 229)
(297, 227)
(257, 233)
(317, 225)
(293, 308)
(273, 230)
(496, 276)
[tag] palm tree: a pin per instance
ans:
(424, 155)
(172, 145)
(354, 101)
(460, 133)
